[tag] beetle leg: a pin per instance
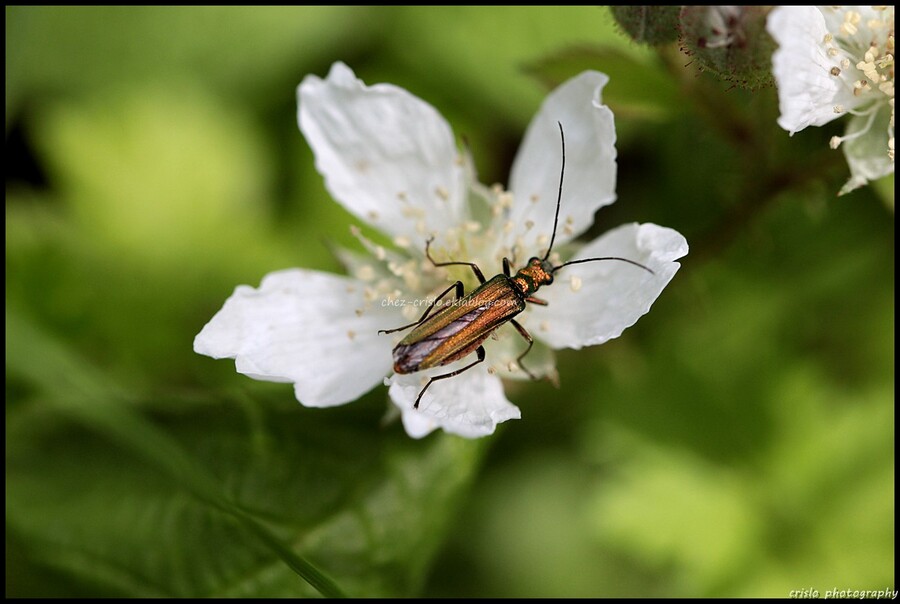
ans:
(537, 301)
(473, 266)
(460, 292)
(479, 352)
(506, 267)
(524, 333)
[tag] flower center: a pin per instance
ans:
(866, 45)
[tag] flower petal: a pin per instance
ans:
(859, 41)
(504, 347)
(386, 155)
(590, 178)
(867, 155)
(470, 404)
(594, 302)
(303, 327)
(807, 91)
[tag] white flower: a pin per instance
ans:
(391, 160)
(837, 60)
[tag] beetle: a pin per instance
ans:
(459, 328)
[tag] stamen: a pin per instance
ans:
(851, 20)
(365, 273)
(868, 68)
(858, 133)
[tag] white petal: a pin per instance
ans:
(470, 404)
(590, 178)
(834, 18)
(867, 155)
(594, 302)
(301, 326)
(807, 91)
(503, 350)
(386, 155)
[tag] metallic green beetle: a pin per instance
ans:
(460, 327)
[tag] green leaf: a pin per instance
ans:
(235, 499)
(648, 24)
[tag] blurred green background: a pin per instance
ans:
(738, 441)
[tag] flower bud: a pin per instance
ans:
(729, 41)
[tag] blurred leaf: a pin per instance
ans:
(707, 529)
(884, 187)
(241, 51)
(492, 46)
(802, 507)
(767, 423)
(367, 506)
(653, 25)
(163, 173)
(637, 88)
(161, 203)
(827, 492)
(78, 392)
(528, 536)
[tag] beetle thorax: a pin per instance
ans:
(532, 276)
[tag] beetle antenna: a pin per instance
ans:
(638, 264)
(562, 172)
